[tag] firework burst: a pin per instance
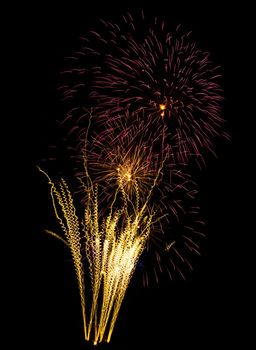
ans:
(140, 66)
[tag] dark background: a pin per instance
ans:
(209, 309)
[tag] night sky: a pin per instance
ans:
(205, 311)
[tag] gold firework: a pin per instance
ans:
(111, 246)
(129, 161)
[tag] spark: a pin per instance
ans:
(162, 108)
(168, 246)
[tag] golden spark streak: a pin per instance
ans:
(113, 245)
(130, 166)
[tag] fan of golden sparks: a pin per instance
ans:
(111, 245)
(128, 161)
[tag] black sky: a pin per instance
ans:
(206, 311)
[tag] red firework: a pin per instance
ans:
(138, 66)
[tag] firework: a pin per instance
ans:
(136, 65)
(111, 245)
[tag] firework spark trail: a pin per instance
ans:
(70, 226)
(113, 245)
(143, 67)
